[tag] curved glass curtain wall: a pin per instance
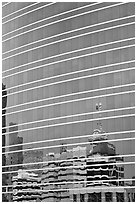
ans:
(69, 69)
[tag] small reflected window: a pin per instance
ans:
(120, 197)
(82, 197)
(108, 197)
(74, 198)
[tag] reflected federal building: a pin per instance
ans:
(68, 101)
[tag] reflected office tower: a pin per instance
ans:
(29, 184)
(104, 169)
(61, 61)
(65, 174)
(57, 176)
(16, 156)
(50, 178)
(4, 104)
(130, 192)
(79, 174)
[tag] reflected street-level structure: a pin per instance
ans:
(68, 101)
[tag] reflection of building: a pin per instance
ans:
(99, 154)
(49, 175)
(86, 172)
(104, 172)
(79, 173)
(58, 66)
(4, 104)
(15, 157)
(98, 166)
(57, 176)
(100, 172)
(33, 156)
(130, 192)
(25, 187)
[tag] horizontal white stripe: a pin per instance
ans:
(20, 10)
(72, 51)
(70, 101)
(82, 188)
(67, 145)
(68, 59)
(100, 168)
(69, 73)
(71, 31)
(68, 116)
(71, 94)
(64, 161)
(64, 19)
(99, 176)
(69, 52)
(69, 182)
(48, 18)
(67, 138)
(71, 167)
(70, 123)
(70, 160)
(72, 79)
(6, 4)
(28, 12)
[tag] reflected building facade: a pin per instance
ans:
(14, 159)
(61, 60)
(31, 187)
(91, 173)
(4, 104)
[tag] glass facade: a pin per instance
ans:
(68, 69)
